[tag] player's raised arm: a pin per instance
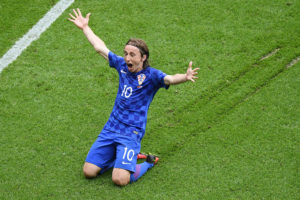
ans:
(181, 78)
(82, 23)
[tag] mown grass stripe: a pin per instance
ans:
(34, 33)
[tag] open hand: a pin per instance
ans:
(190, 73)
(78, 20)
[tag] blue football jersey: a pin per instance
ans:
(135, 93)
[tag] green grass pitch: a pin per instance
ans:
(234, 134)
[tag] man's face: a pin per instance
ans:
(133, 58)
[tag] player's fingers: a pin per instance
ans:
(78, 10)
(75, 12)
(88, 16)
(72, 20)
(72, 16)
(196, 69)
(190, 64)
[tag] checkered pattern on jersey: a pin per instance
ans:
(136, 91)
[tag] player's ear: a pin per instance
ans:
(144, 57)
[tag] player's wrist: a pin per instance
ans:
(186, 77)
(85, 27)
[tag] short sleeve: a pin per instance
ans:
(115, 61)
(158, 78)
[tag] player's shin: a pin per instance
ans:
(141, 169)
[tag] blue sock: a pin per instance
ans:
(140, 170)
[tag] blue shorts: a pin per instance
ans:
(112, 148)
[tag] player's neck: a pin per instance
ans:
(138, 69)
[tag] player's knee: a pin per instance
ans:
(90, 171)
(120, 177)
(121, 180)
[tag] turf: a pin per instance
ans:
(249, 154)
(18, 17)
(232, 135)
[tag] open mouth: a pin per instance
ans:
(129, 65)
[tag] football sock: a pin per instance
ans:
(140, 170)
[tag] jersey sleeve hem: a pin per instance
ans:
(110, 59)
(163, 82)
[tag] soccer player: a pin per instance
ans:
(118, 145)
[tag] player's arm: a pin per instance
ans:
(95, 41)
(190, 75)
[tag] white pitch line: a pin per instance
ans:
(34, 33)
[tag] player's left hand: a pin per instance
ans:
(190, 73)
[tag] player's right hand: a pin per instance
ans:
(78, 20)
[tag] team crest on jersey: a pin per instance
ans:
(141, 78)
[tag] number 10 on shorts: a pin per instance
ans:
(129, 155)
